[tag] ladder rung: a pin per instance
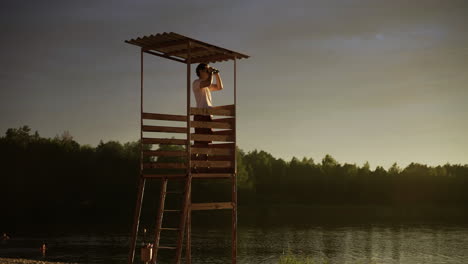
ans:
(169, 228)
(171, 210)
(175, 192)
(166, 247)
(211, 206)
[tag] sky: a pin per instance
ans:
(362, 80)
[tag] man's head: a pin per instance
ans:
(201, 70)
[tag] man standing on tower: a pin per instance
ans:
(202, 88)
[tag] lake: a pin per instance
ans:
(337, 243)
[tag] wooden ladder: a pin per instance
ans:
(160, 219)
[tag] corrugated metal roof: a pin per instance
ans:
(174, 46)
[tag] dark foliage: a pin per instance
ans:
(54, 180)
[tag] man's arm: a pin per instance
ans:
(219, 83)
(207, 83)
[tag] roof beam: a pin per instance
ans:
(164, 56)
(212, 58)
(184, 51)
(166, 44)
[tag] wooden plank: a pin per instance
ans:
(212, 157)
(220, 158)
(229, 120)
(164, 153)
(212, 175)
(166, 141)
(227, 107)
(224, 132)
(169, 176)
(164, 165)
(208, 124)
(154, 116)
(211, 111)
(210, 206)
(212, 164)
(204, 137)
(212, 151)
(213, 170)
(222, 145)
(164, 129)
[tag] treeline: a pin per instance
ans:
(57, 178)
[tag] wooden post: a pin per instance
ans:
(234, 178)
(188, 185)
(159, 219)
(142, 180)
(188, 249)
(136, 220)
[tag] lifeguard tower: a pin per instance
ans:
(221, 152)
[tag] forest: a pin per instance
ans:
(57, 179)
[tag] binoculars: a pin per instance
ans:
(212, 70)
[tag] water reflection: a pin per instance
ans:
(336, 244)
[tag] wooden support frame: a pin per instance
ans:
(221, 164)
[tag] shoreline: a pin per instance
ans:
(29, 261)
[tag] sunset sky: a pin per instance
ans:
(378, 81)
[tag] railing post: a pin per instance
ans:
(188, 249)
(234, 177)
(188, 186)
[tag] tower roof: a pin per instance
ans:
(174, 46)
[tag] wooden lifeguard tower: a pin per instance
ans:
(221, 152)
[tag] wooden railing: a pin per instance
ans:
(220, 160)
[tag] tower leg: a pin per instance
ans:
(188, 249)
(234, 220)
(183, 219)
(159, 219)
(136, 220)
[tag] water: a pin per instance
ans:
(378, 243)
